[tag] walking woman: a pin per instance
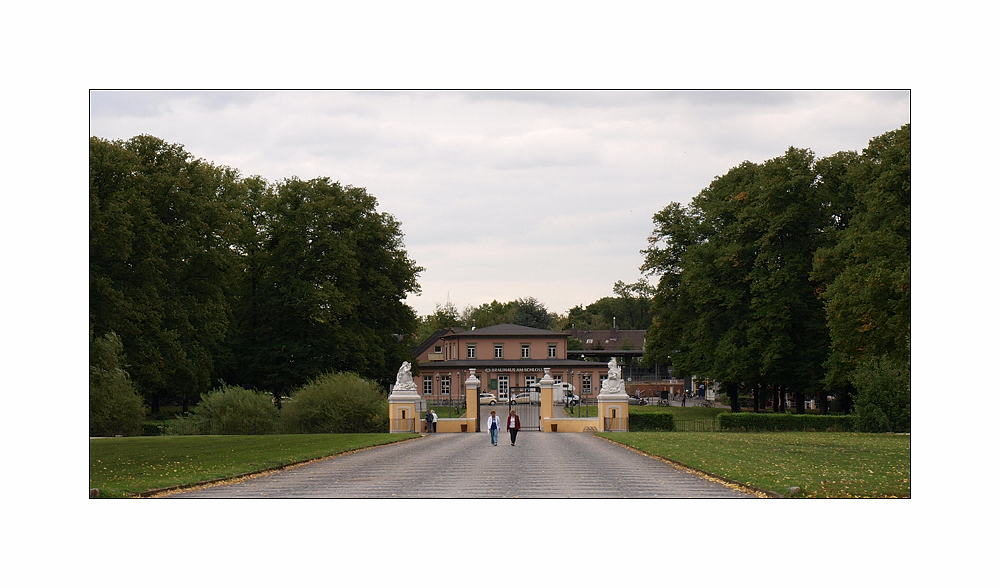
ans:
(493, 426)
(513, 426)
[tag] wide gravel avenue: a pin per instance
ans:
(457, 465)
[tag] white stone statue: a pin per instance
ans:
(404, 379)
(614, 383)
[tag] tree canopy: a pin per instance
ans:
(785, 275)
(210, 277)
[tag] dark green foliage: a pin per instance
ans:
(527, 312)
(115, 405)
(656, 421)
(751, 421)
(209, 277)
(324, 290)
(883, 403)
(336, 403)
(784, 276)
(229, 410)
(864, 273)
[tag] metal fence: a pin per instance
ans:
(696, 426)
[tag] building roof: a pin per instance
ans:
(430, 340)
(511, 331)
(609, 339)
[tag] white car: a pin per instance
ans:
(487, 398)
(523, 398)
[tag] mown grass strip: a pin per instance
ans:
(133, 465)
(823, 465)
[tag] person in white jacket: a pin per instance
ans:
(493, 426)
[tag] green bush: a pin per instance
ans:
(230, 410)
(765, 421)
(883, 402)
(183, 425)
(655, 421)
(336, 403)
(115, 404)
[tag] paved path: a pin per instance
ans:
(457, 465)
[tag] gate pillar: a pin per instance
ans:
(404, 403)
(472, 402)
(546, 409)
(612, 402)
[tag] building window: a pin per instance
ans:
(529, 381)
(525, 351)
(437, 349)
(445, 385)
(498, 350)
(603, 379)
(470, 351)
(503, 387)
(552, 350)
(428, 385)
(586, 383)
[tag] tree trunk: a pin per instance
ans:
(800, 403)
(756, 397)
(824, 406)
(776, 399)
(733, 389)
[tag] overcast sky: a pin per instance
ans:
(504, 195)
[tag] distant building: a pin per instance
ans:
(505, 357)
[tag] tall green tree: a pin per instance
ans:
(329, 295)
(734, 302)
(865, 274)
(444, 316)
(161, 260)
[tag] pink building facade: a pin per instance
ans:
(505, 357)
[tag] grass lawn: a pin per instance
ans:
(130, 465)
(823, 465)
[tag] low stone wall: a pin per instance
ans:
(569, 425)
(455, 425)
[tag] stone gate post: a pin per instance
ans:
(612, 402)
(546, 409)
(471, 402)
(404, 402)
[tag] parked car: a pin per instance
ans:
(636, 400)
(523, 398)
(487, 398)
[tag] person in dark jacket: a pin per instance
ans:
(430, 421)
(513, 426)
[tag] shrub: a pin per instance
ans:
(883, 403)
(653, 421)
(230, 410)
(184, 425)
(115, 404)
(336, 403)
(763, 421)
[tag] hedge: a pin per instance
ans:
(653, 421)
(756, 421)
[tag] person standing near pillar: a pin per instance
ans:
(493, 426)
(513, 426)
(430, 421)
